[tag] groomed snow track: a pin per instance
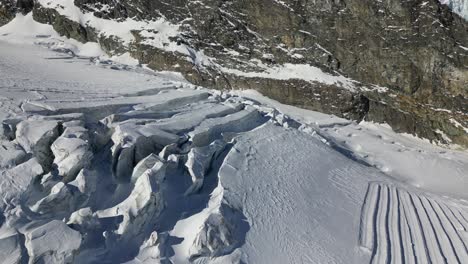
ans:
(401, 226)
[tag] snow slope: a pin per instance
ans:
(109, 163)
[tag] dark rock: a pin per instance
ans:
(7, 11)
(63, 25)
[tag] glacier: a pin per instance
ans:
(105, 162)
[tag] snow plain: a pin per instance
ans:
(103, 162)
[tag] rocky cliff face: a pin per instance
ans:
(400, 62)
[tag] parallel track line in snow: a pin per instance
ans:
(381, 254)
(464, 216)
(409, 255)
(453, 218)
(456, 241)
(460, 218)
(455, 224)
(433, 246)
(443, 241)
(366, 238)
(414, 223)
(396, 248)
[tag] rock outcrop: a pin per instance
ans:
(415, 49)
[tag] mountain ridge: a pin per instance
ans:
(407, 61)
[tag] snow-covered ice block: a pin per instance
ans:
(171, 100)
(61, 199)
(36, 136)
(169, 150)
(143, 204)
(133, 143)
(84, 219)
(62, 118)
(8, 128)
(75, 130)
(11, 154)
(120, 117)
(10, 249)
(72, 152)
(146, 164)
(199, 162)
(53, 242)
(187, 121)
(214, 239)
(15, 181)
(86, 183)
(149, 251)
(210, 129)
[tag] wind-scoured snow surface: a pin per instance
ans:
(102, 162)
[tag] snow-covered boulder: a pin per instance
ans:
(53, 242)
(199, 162)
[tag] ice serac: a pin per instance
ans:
(199, 162)
(210, 129)
(61, 199)
(72, 152)
(86, 182)
(146, 164)
(133, 142)
(213, 239)
(11, 154)
(53, 242)
(17, 180)
(36, 137)
(10, 249)
(143, 204)
(149, 252)
(221, 232)
(8, 128)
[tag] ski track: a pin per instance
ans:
(401, 226)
